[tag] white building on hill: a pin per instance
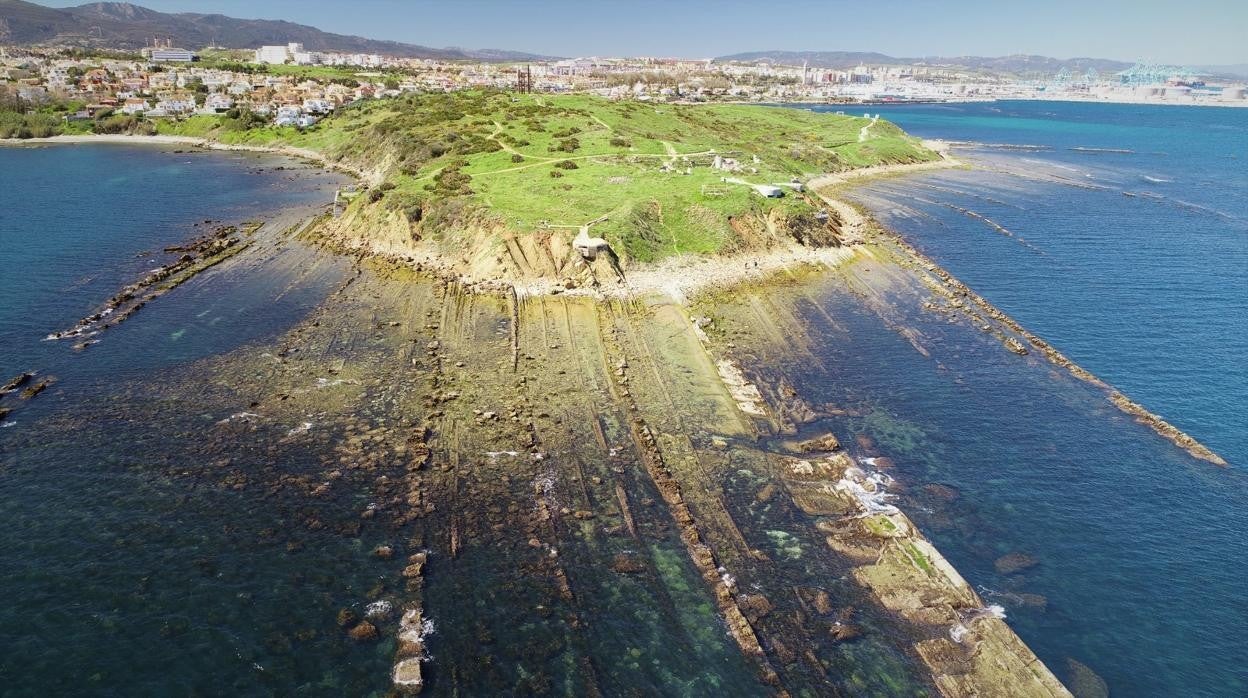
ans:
(277, 55)
(171, 55)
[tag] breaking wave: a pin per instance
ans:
(1120, 151)
(965, 618)
(869, 489)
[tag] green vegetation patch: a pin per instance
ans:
(532, 161)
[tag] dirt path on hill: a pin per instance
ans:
(865, 132)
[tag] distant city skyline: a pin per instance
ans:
(1197, 32)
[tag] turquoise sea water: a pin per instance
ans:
(1125, 246)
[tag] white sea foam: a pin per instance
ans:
(1158, 180)
(414, 630)
(378, 609)
(959, 630)
(6, 425)
(870, 489)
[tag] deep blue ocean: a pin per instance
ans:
(77, 223)
(119, 578)
(1125, 245)
(1130, 247)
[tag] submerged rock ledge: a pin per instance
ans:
(610, 426)
(948, 285)
(967, 649)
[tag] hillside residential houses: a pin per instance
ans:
(135, 105)
(165, 85)
(179, 90)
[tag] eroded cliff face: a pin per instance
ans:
(476, 246)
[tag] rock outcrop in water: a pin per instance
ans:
(197, 256)
(965, 301)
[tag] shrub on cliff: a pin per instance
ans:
(451, 181)
(567, 145)
(644, 237)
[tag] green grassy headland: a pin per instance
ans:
(525, 164)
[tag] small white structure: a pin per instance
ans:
(217, 102)
(317, 106)
(589, 248)
(287, 116)
(134, 105)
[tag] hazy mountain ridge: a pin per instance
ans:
(1001, 64)
(121, 25)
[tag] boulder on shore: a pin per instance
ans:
(822, 444)
(407, 677)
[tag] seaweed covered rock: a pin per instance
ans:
(1013, 563)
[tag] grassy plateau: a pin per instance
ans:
(454, 164)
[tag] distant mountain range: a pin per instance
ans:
(1238, 70)
(121, 25)
(1018, 64)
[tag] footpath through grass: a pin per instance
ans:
(527, 161)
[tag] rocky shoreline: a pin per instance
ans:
(674, 455)
(967, 647)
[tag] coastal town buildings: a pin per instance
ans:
(296, 87)
(295, 54)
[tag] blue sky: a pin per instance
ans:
(1192, 32)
